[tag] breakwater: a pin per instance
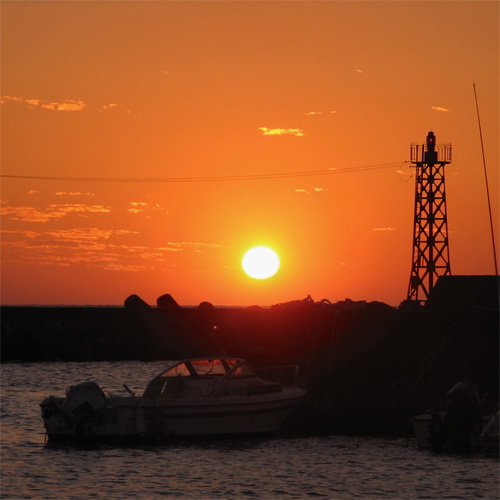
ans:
(367, 367)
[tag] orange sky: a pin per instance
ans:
(215, 89)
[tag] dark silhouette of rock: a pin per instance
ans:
(206, 315)
(168, 303)
(135, 303)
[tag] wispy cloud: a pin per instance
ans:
(64, 247)
(113, 266)
(54, 211)
(10, 98)
(66, 105)
(109, 249)
(314, 190)
(282, 131)
(60, 210)
(176, 246)
(320, 113)
(137, 207)
(73, 193)
(381, 229)
(87, 234)
(141, 207)
(438, 108)
(113, 108)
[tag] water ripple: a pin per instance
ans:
(336, 467)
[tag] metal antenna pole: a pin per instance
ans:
(487, 186)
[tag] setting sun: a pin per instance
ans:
(158, 179)
(260, 263)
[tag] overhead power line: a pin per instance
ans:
(249, 177)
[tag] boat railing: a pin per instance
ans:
(286, 375)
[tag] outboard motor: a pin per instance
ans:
(84, 403)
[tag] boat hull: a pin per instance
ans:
(489, 437)
(126, 417)
(427, 428)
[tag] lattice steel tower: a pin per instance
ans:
(431, 257)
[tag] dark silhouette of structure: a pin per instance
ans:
(430, 230)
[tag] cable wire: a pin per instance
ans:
(247, 177)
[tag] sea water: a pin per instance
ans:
(283, 467)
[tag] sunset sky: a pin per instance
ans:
(178, 109)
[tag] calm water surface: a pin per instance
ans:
(335, 467)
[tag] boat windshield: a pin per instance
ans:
(210, 367)
(179, 369)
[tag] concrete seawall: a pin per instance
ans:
(367, 366)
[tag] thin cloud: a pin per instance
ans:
(77, 208)
(7, 98)
(182, 245)
(319, 113)
(113, 108)
(109, 249)
(91, 246)
(17, 232)
(32, 103)
(73, 193)
(381, 229)
(122, 267)
(282, 131)
(438, 108)
(140, 207)
(137, 207)
(27, 214)
(54, 211)
(305, 191)
(88, 234)
(70, 106)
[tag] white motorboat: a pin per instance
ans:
(192, 397)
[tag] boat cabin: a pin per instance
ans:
(208, 377)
